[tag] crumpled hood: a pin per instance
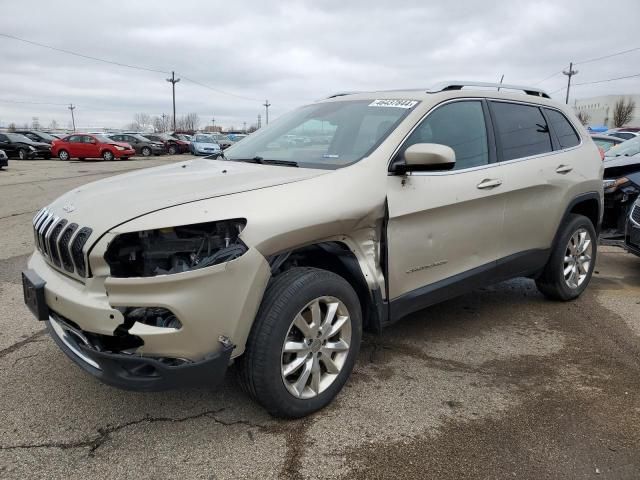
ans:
(107, 203)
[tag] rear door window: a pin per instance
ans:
(521, 130)
(567, 136)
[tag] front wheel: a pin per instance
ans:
(63, 155)
(107, 155)
(304, 342)
(22, 154)
(172, 150)
(572, 260)
(146, 151)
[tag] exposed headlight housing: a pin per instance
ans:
(612, 185)
(32, 148)
(118, 147)
(166, 251)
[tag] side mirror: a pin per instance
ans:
(427, 157)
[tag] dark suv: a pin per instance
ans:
(142, 145)
(16, 145)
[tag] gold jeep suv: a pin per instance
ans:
(344, 215)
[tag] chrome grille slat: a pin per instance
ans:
(60, 242)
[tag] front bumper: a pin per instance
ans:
(632, 237)
(4, 162)
(124, 153)
(211, 303)
(132, 372)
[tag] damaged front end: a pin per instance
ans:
(621, 189)
(112, 359)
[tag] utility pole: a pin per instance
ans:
(259, 121)
(266, 105)
(570, 73)
(164, 122)
(213, 124)
(244, 127)
(501, 79)
(73, 120)
(173, 80)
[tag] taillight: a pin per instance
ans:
(601, 150)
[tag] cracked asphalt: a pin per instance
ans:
(499, 383)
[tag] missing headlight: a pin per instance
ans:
(177, 249)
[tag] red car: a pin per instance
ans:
(82, 145)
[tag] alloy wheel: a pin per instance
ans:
(316, 347)
(577, 258)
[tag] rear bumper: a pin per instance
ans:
(133, 372)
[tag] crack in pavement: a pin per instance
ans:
(18, 345)
(104, 433)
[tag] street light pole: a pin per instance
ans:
(73, 120)
(173, 80)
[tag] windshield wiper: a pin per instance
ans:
(263, 161)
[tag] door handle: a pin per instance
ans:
(489, 183)
(562, 169)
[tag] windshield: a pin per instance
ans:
(325, 135)
(629, 148)
(104, 139)
(204, 139)
(17, 137)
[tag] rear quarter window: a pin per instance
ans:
(567, 136)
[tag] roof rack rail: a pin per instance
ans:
(458, 85)
(341, 94)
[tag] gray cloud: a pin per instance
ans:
(294, 52)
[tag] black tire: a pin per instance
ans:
(173, 150)
(23, 154)
(64, 155)
(108, 155)
(146, 151)
(260, 366)
(552, 283)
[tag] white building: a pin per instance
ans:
(600, 109)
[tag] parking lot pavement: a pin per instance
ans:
(498, 383)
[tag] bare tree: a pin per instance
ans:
(35, 123)
(53, 125)
(252, 128)
(11, 127)
(623, 112)
(141, 121)
(161, 124)
(584, 118)
(190, 122)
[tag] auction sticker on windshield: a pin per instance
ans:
(393, 102)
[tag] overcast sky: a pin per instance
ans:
(294, 52)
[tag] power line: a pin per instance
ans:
(89, 57)
(608, 80)
(607, 56)
(120, 64)
(218, 90)
(548, 78)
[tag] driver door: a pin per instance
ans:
(444, 228)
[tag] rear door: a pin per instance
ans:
(539, 173)
(444, 227)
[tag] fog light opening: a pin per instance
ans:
(152, 316)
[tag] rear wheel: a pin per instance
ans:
(146, 151)
(63, 155)
(304, 342)
(572, 260)
(23, 154)
(108, 155)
